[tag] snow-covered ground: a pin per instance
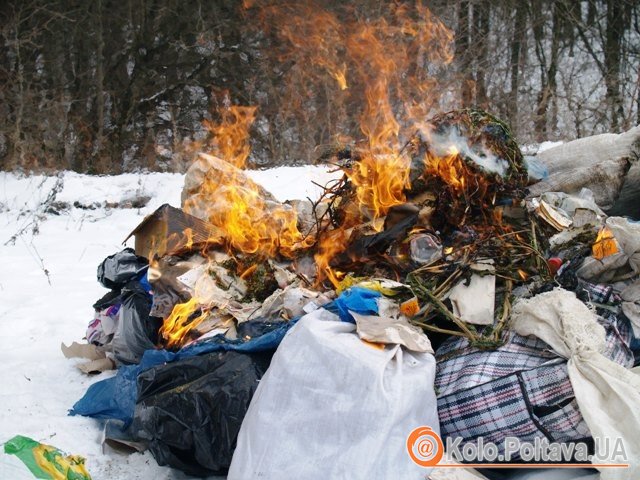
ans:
(47, 286)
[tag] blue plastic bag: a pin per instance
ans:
(356, 299)
(115, 397)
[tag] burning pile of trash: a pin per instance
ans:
(424, 288)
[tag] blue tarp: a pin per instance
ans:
(115, 398)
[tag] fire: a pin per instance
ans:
(385, 58)
(380, 182)
(449, 168)
(181, 321)
(314, 34)
(231, 134)
(249, 223)
(385, 65)
(333, 243)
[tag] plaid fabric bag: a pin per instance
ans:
(521, 389)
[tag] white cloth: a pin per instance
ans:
(607, 393)
(332, 406)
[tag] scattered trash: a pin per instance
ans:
(531, 302)
(118, 269)
(45, 461)
(137, 331)
(473, 300)
(98, 361)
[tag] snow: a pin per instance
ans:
(548, 145)
(536, 148)
(47, 286)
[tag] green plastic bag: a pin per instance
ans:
(45, 461)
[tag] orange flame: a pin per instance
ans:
(381, 63)
(249, 223)
(380, 182)
(231, 134)
(450, 169)
(177, 326)
(331, 244)
(385, 58)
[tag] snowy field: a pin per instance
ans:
(47, 286)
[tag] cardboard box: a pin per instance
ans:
(169, 231)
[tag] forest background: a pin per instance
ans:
(109, 86)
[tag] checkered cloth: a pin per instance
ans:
(521, 390)
(597, 293)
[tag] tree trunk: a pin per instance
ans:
(552, 86)
(16, 137)
(463, 54)
(614, 34)
(538, 22)
(519, 32)
(481, 41)
(98, 142)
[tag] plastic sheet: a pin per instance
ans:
(118, 269)
(190, 411)
(356, 299)
(115, 397)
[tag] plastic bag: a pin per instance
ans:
(356, 299)
(45, 461)
(118, 269)
(332, 406)
(190, 411)
(136, 331)
(619, 266)
(536, 170)
(115, 397)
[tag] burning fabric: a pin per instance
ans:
(431, 248)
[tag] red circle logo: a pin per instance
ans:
(425, 447)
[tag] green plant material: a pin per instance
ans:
(261, 282)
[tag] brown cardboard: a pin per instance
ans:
(82, 350)
(96, 366)
(165, 232)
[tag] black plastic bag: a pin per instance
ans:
(118, 269)
(190, 411)
(257, 327)
(136, 331)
